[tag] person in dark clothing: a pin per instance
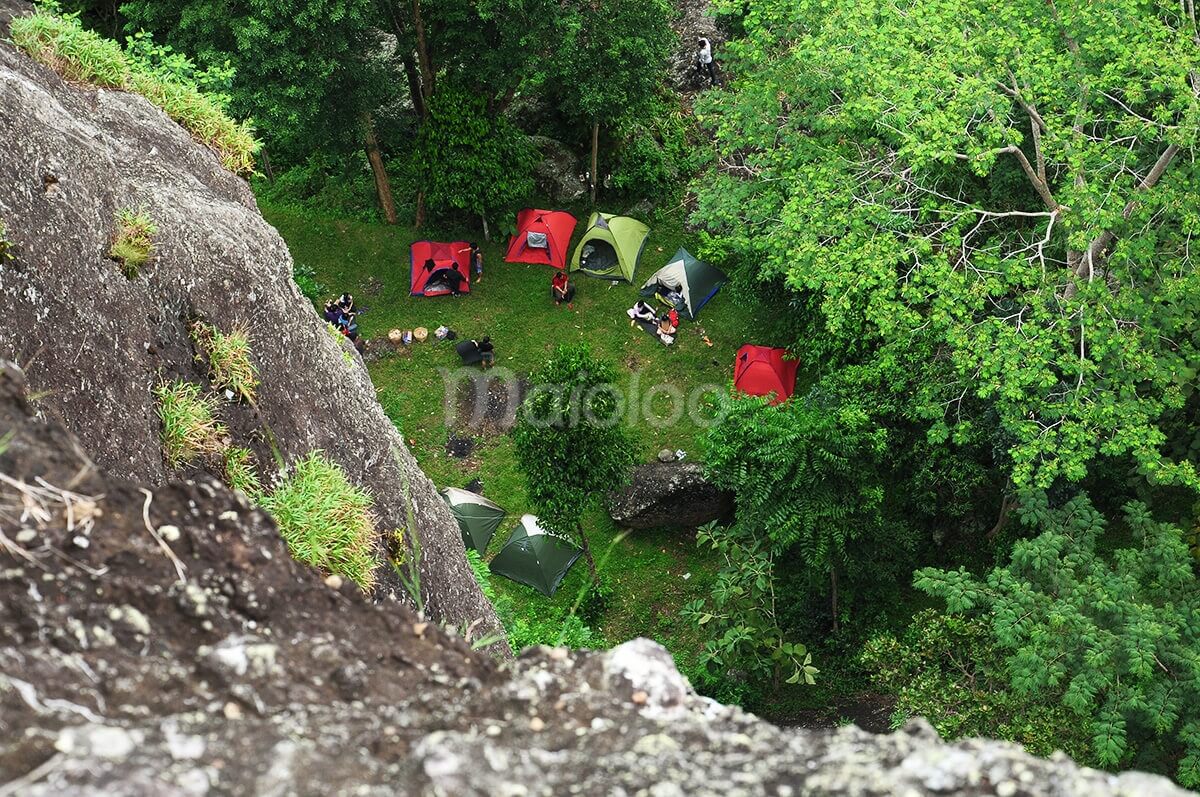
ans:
(332, 312)
(475, 260)
(454, 281)
(346, 302)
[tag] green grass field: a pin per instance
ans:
(652, 574)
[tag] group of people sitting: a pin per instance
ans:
(666, 325)
(342, 314)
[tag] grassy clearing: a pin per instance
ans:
(325, 520)
(133, 241)
(82, 56)
(651, 574)
(240, 472)
(227, 357)
(190, 429)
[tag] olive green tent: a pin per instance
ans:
(535, 557)
(478, 518)
(611, 247)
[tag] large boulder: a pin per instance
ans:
(693, 20)
(558, 173)
(670, 495)
(95, 343)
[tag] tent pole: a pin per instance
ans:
(595, 157)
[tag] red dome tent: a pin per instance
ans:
(435, 279)
(542, 237)
(761, 371)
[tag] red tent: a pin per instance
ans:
(542, 237)
(434, 264)
(761, 371)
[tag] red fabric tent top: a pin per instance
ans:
(555, 225)
(446, 257)
(761, 371)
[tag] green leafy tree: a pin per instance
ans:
(470, 160)
(742, 616)
(570, 444)
(805, 480)
(1009, 188)
(1115, 639)
(951, 671)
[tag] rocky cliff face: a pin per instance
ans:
(94, 343)
(158, 640)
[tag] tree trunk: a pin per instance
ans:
(267, 165)
(423, 52)
(483, 220)
(595, 157)
(414, 87)
(383, 186)
(419, 221)
(587, 554)
(834, 591)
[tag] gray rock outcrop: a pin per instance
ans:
(669, 495)
(95, 343)
(557, 173)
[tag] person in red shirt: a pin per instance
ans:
(561, 289)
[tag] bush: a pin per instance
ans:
(305, 278)
(325, 520)
(325, 186)
(240, 473)
(228, 358)
(168, 80)
(133, 242)
(190, 428)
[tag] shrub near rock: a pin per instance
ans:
(133, 242)
(190, 428)
(325, 520)
(228, 358)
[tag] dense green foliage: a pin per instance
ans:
(987, 209)
(1114, 639)
(190, 429)
(570, 440)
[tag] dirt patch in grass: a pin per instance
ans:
(488, 405)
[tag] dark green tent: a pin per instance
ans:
(693, 280)
(611, 247)
(478, 518)
(535, 557)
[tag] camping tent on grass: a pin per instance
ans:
(435, 279)
(542, 236)
(478, 518)
(694, 280)
(611, 247)
(535, 557)
(761, 371)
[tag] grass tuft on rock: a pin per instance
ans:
(190, 429)
(133, 242)
(240, 472)
(325, 520)
(228, 358)
(5, 244)
(82, 56)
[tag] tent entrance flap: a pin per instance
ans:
(537, 240)
(598, 257)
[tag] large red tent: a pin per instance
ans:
(761, 371)
(434, 279)
(542, 236)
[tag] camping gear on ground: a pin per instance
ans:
(478, 518)
(761, 371)
(651, 328)
(420, 334)
(693, 281)
(439, 269)
(542, 236)
(395, 337)
(611, 247)
(535, 557)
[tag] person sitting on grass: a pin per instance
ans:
(477, 351)
(332, 312)
(640, 312)
(561, 289)
(346, 302)
(667, 326)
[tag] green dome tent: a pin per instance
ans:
(478, 518)
(694, 280)
(611, 247)
(535, 557)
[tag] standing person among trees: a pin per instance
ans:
(476, 260)
(704, 60)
